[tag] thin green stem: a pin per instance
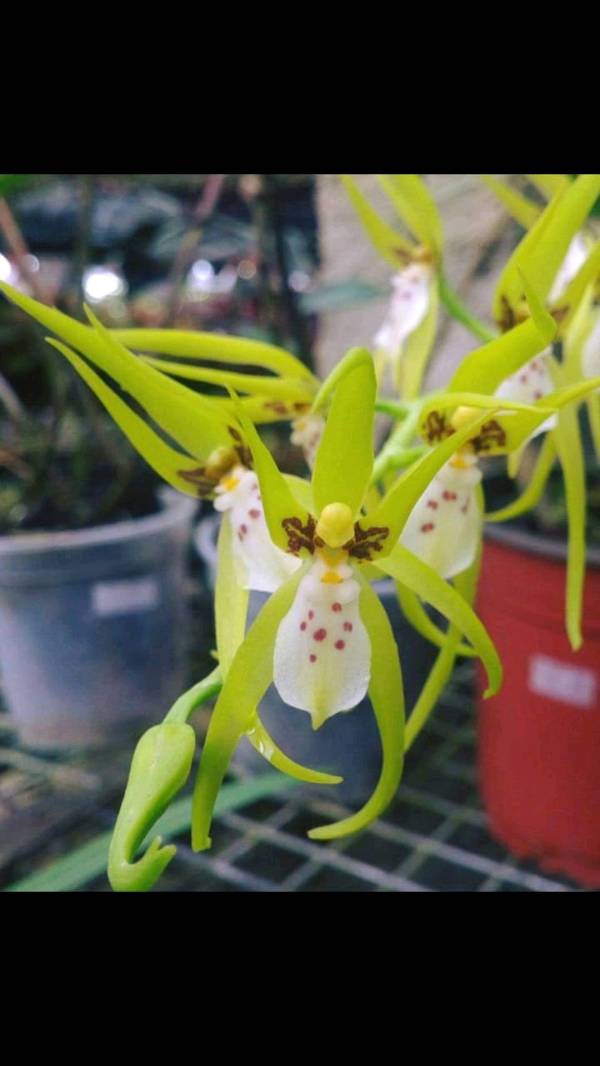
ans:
(454, 305)
(195, 696)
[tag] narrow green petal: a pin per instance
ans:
(544, 247)
(406, 568)
(570, 455)
(231, 599)
(249, 677)
(535, 488)
(416, 207)
(465, 584)
(484, 369)
(415, 613)
(450, 400)
(400, 499)
(385, 239)
(354, 358)
(266, 746)
(168, 463)
(279, 388)
(387, 696)
(344, 459)
(279, 502)
(261, 410)
(214, 348)
(417, 349)
(302, 491)
(524, 211)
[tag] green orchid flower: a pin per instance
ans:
(323, 637)
(564, 266)
(405, 339)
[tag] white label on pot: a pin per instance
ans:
(125, 597)
(561, 681)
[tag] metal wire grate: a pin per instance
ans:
(432, 838)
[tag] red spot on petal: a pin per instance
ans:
(319, 634)
(537, 394)
(427, 527)
(311, 615)
(433, 504)
(312, 658)
(254, 513)
(243, 529)
(336, 606)
(303, 626)
(523, 379)
(340, 645)
(448, 495)
(348, 627)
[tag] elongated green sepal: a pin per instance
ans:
(278, 499)
(390, 244)
(160, 767)
(290, 390)
(568, 304)
(387, 696)
(414, 612)
(416, 207)
(406, 568)
(249, 677)
(524, 211)
(484, 369)
(570, 455)
(465, 585)
(214, 348)
(344, 460)
(264, 744)
(537, 483)
(168, 463)
(231, 598)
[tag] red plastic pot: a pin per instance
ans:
(539, 738)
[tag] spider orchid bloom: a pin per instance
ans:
(559, 261)
(214, 461)
(405, 339)
(323, 638)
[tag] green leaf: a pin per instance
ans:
(249, 677)
(537, 483)
(570, 456)
(387, 696)
(406, 568)
(278, 500)
(214, 348)
(168, 463)
(344, 459)
(416, 207)
(523, 210)
(385, 239)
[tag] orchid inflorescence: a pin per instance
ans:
(413, 512)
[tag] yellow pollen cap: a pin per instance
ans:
(462, 415)
(335, 526)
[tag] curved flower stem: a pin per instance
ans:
(195, 696)
(455, 306)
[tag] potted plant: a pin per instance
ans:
(319, 545)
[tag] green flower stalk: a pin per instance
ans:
(405, 339)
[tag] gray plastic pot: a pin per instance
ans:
(347, 744)
(93, 627)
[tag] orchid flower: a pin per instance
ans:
(323, 638)
(404, 341)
